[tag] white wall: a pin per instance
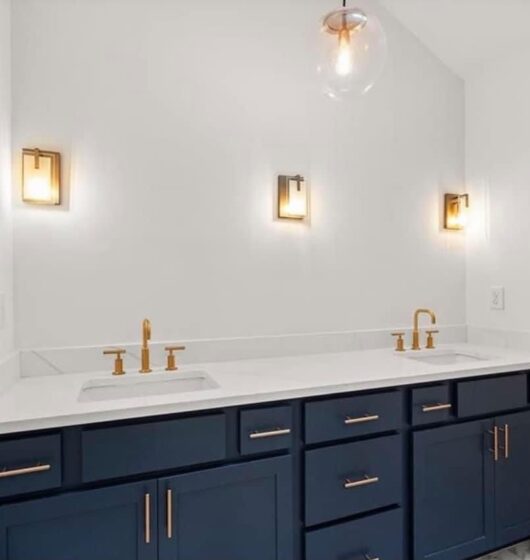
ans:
(174, 118)
(6, 236)
(498, 167)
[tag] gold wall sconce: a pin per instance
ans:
(293, 200)
(455, 211)
(41, 177)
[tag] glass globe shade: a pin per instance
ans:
(353, 52)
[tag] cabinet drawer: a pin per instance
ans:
(378, 536)
(265, 429)
(431, 404)
(353, 478)
(352, 416)
(152, 446)
(30, 464)
(486, 396)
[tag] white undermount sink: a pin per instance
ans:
(448, 358)
(134, 385)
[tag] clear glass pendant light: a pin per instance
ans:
(353, 51)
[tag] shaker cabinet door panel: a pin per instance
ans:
(110, 524)
(235, 512)
(512, 478)
(453, 491)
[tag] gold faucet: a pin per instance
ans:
(416, 331)
(146, 337)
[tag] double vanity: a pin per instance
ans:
(371, 455)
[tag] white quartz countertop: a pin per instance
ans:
(34, 403)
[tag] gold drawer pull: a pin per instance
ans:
(271, 433)
(361, 419)
(506, 448)
(362, 482)
(169, 500)
(436, 407)
(27, 470)
(147, 514)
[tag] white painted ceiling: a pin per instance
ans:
(465, 33)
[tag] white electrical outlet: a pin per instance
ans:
(497, 298)
(2, 311)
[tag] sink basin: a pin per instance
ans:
(448, 358)
(147, 385)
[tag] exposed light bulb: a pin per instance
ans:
(344, 63)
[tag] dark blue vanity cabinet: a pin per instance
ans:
(454, 477)
(471, 490)
(428, 472)
(115, 523)
(238, 512)
(512, 478)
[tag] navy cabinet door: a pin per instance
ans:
(512, 478)
(235, 512)
(454, 515)
(111, 524)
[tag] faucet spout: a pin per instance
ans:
(416, 331)
(146, 337)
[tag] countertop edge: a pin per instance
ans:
(95, 417)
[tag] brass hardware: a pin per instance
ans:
(147, 515)
(495, 450)
(41, 177)
(362, 482)
(146, 337)
(292, 197)
(454, 211)
(271, 433)
(26, 470)
(169, 505)
(436, 407)
(400, 343)
(171, 362)
(118, 362)
(416, 331)
(361, 419)
(506, 448)
(430, 339)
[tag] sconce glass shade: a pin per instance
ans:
(293, 201)
(456, 208)
(41, 177)
(353, 52)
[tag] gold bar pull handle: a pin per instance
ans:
(147, 518)
(436, 407)
(4, 473)
(169, 511)
(367, 480)
(349, 421)
(270, 433)
(506, 447)
(495, 450)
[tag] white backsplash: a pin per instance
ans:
(501, 338)
(9, 371)
(85, 359)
